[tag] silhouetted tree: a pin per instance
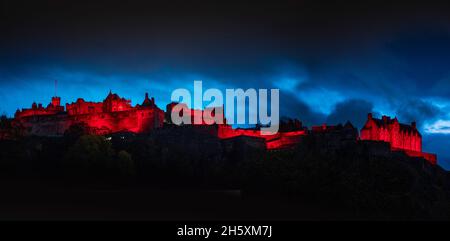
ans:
(90, 155)
(5, 123)
(76, 130)
(126, 164)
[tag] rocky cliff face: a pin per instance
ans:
(363, 180)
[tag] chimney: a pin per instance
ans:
(39, 105)
(413, 124)
(146, 95)
(369, 116)
(385, 119)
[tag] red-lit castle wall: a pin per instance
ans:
(114, 114)
(401, 137)
(273, 141)
(279, 140)
(37, 109)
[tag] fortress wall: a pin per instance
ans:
(137, 121)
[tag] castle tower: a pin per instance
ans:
(147, 101)
(113, 103)
(56, 101)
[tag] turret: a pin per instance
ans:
(56, 101)
(147, 101)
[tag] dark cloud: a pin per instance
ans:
(353, 110)
(419, 111)
(291, 107)
(425, 54)
(438, 143)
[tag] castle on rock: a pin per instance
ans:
(116, 114)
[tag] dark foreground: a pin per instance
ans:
(185, 175)
(34, 200)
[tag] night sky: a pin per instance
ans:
(331, 61)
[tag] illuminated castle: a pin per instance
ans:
(401, 136)
(289, 132)
(36, 109)
(114, 114)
